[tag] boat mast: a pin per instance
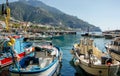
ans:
(6, 14)
(89, 51)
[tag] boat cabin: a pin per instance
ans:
(115, 44)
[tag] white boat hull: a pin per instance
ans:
(99, 70)
(48, 72)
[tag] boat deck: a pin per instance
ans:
(95, 60)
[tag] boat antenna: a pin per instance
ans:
(3, 9)
(88, 30)
(7, 3)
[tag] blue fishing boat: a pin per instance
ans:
(45, 62)
(18, 44)
(21, 47)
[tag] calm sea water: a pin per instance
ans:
(66, 43)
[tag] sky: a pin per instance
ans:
(102, 13)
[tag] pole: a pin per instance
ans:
(7, 17)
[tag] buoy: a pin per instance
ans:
(76, 62)
(11, 42)
(108, 63)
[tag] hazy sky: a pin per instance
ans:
(102, 13)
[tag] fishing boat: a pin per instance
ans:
(92, 60)
(21, 46)
(113, 48)
(92, 35)
(18, 43)
(45, 62)
(111, 34)
(85, 34)
(40, 37)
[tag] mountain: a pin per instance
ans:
(37, 12)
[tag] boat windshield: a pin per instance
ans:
(116, 43)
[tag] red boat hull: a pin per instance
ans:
(8, 61)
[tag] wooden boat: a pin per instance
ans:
(44, 63)
(92, 60)
(113, 48)
(21, 47)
